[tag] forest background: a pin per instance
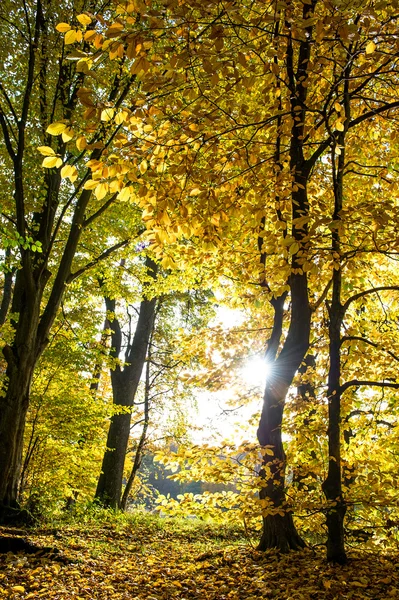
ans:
(165, 165)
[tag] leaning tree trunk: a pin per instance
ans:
(124, 387)
(278, 526)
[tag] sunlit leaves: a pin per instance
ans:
(72, 36)
(107, 114)
(63, 27)
(69, 172)
(125, 194)
(56, 128)
(101, 190)
(46, 151)
(52, 161)
(83, 19)
(143, 167)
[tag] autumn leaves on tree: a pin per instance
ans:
(252, 145)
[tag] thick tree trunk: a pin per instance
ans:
(21, 358)
(278, 526)
(124, 387)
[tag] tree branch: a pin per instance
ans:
(99, 212)
(366, 292)
(360, 382)
(94, 262)
(353, 338)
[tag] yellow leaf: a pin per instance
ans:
(370, 48)
(195, 192)
(339, 126)
(46, 151)
(89, 35)
(168, 263)
(90, 184)
(121, 117)
(101, 191)
(140, 65)
(63, 27)
(51, 161)
(70, 172)
(70, 36)
(67, 134)
(18, 589)
(107, 114)
(143, 167)
(84, 19)
(294, 248)
(56, 128)
(81, 143)
(125, 194)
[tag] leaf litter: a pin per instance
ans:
(162, 560)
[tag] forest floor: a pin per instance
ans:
(160, 559)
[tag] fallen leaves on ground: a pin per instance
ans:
(152, 560)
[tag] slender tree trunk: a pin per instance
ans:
(332, 486)
(278, 526)
(124, 387)
(143, 437)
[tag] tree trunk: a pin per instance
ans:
(124, 387)
(278, 526)
(21, 358)
(143, 437)
(332, 486)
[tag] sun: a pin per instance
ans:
(255, 371)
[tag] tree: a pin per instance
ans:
(48, 100)
(128, 359)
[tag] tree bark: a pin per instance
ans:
(278, 526)
(143, 437)
(332, 486)
(124, 387)
(35, 318)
